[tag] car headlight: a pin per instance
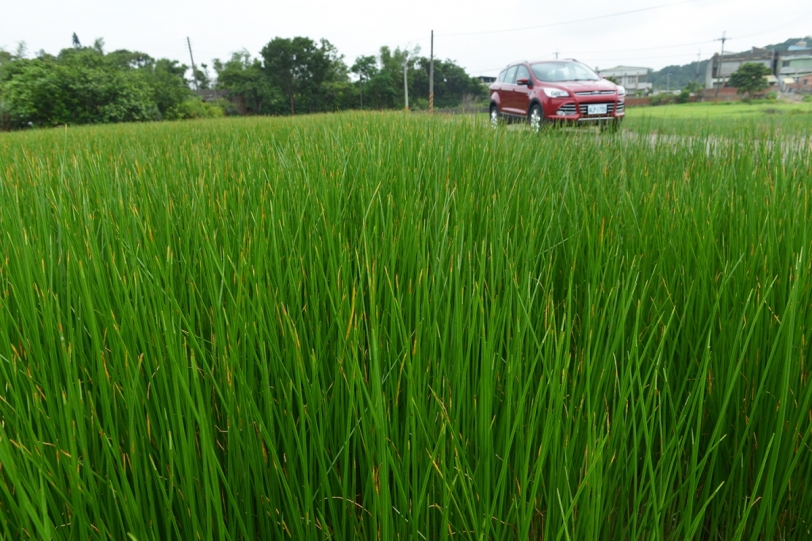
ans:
(556, 93)
(621, 91)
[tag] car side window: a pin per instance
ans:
(522, 73)
(510, 78)
(501, 78)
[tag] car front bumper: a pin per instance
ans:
(577, 111)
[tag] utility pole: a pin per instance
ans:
(698, 56)
(556, 53)
(361, 80)
(405, 84)
(431, 78)
(719, 66)
(194, 69)
(668, 82)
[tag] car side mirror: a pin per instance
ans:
(524, 81)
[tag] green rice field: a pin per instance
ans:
(388, 327)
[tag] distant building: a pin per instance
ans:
(721, 68)
(628, 77)
(486, 80)
(795, 64)
(790, 67)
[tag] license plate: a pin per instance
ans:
(599, 109)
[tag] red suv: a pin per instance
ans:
(564, 91)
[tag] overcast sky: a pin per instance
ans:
(482, 36)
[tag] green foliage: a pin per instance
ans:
(451, 83)
(694, 87)
(5, 57)
(312, 74)
(807, 98)
(83, 85)
(167, 83)
(245, 80)
(380, 326)
(365, 67)
(80, 90)
(195, 108)
(663, 99)
(750, 78)
(201, 75)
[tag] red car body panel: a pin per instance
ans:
(515, 100)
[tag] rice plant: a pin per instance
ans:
(375, 326)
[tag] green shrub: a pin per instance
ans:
(195, 108)
(419, 104)
(683, 96)
(663, 99)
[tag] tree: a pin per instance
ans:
(451, 83)
(166, 79)
(385, 86)
(749, 78)
(302, 68)
(365, 68)
(45, 92)
(76, 43)
(202, 77)
(244, 78)
(86, 86)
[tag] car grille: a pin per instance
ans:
(595, 93)
(584, 107)
(621, 107)
(567, 109)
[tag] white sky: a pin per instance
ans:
(654, 38)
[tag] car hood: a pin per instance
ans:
(585, 86)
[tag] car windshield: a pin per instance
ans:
(556, 72)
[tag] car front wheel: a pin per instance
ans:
(494, 116)
(535, 118)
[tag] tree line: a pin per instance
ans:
(300, 75)
(86, 85)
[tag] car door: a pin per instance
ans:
(520, 100)
(506, 91)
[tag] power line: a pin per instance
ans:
(592, 57)
(608, 15)
(646, 48)
(779, 26)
